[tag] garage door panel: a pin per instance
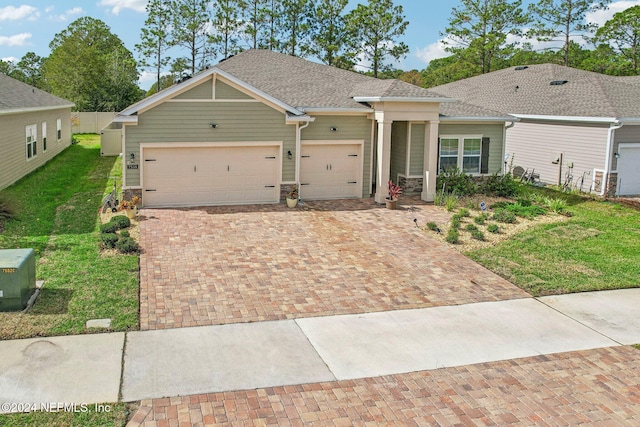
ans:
(629, 170)
(202, 176)
(331, 171)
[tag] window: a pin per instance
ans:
(462, 152)
(32, 141)
(44, 136)
(59, 129)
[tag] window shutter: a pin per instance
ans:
(484, 156)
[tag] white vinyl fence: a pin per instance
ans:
(90, 122)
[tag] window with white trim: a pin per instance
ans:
(44, 137)
(59, 129)
(462, 152)
(32, 141)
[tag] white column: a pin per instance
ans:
(384, 160)
(430, 162)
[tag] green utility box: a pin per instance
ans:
(17, 278)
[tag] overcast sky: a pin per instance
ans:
(31, 25)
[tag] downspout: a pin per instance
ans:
(607, 165)
(504, 145)
(298, 156)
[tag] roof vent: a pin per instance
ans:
(522, 67)
(559, 82)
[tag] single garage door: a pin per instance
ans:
(628, 170)
(330, 171)
(203, 176)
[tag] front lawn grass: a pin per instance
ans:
(115, 417)
(598, 248)
(56, 213)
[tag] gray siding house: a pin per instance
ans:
(248, 129)
(572, 123)
(34, 127)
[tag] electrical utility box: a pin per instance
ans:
(17, 278)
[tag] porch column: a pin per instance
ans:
(384, 160)
(430, 162)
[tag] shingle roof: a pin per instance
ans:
(15, 95)
(529, 91)
(305, 84)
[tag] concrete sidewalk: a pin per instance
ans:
(88, 368)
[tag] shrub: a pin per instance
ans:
(455, 222)
(503, 215)
(450, 202)
(493, 228)
(472, 206)
(454, 181)
(470, 227)
(529, 211)
(432, 226)
(524, 202)
(121, 221)
(109, 239)
(478, 235)
(453, 236)
(125, 233)
(555, 205)
(108, 228)
(479, 219)
(127, 245)
(499, 205)
(438, 199)
(500, 185)
(463, 212)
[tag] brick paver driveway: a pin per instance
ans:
(253, 263)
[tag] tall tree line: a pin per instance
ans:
(213, 30)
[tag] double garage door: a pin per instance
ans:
(203, 176)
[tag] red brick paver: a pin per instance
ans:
(597, 387)
(222, 265)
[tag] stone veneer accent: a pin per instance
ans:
(129, 193)
(284, 190)
(410, 186)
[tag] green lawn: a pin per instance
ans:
(56, 213)
(598, 248)
(116, 416)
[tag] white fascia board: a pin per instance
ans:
(400, 99)
(630, 120)
(299, 119)
(167, 93)
(258, 92)
(125, 119)
(477, 119)
(35, 109)
(567, 118)
(337, 110)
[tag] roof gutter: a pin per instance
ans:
(607, 164)
(34, 109)
(401, 99)
(479, 119)
(298, 154)
(566, 118)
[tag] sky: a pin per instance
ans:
(30, 25)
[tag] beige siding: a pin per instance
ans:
(202, 91)
(417, 149)
(493, 131)
(348, 127)
(398, 150)
(224, 91)
(190, 122)
(13, 157)
(537, 145)
(626, 134)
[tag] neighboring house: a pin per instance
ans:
(571, 122)
(248, 129)
(34, 127)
